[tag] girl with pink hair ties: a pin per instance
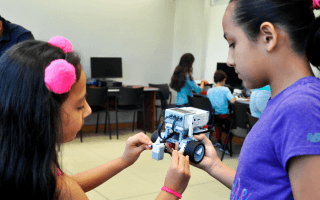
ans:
(42, 104)
(273, 42)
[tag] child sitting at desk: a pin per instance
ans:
(219, 97)
(183, 82)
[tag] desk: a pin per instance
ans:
(146, 89)
(150, 102)
(243, 100)
(210, 83)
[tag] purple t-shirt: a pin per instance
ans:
(288, 127)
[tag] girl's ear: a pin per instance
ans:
(268, 35)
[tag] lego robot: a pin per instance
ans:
(180, 126)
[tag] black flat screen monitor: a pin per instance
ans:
(232, 79)
(102, 67)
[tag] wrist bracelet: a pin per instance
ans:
(164, 188)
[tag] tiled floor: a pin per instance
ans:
(141, 181)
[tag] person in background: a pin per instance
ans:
(183, 82)
(259, 99)
(219, 96)
(11, 34)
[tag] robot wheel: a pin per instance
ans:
(195, 150)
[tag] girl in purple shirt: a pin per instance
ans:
(273, 42)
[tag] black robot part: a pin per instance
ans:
(190, 150)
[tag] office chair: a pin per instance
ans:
(239, 119)
(130, 99)
(204, 103)
(164, 94)
(251, 121)
(97, 98)
(199, 95)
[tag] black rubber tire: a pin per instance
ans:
(154, 136)
(191, 151)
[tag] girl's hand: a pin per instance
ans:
(178, 175)
(205, 81)
(210, 156)
(135, 145)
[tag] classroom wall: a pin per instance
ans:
(149, 35)
(217, 46)
(139, 31)
(189, 35)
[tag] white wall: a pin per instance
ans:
(217, 47)
(139, 31)
(189, 35)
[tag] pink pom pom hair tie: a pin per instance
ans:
(62, 43)
(316, 4)
(60, 76)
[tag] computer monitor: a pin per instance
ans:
(232, 79)
(102, 67)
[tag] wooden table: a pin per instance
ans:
(150, 102)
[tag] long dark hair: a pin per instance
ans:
(296, 17)
(179, 77)
(29, 121)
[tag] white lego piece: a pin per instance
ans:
(158, 151)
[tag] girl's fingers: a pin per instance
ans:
(145, 138)
(202, 138)
(182, 160)
(187, 164)
(176, 146)
(175, 158)
(168, 148)
(140, 139)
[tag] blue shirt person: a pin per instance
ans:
(182, 81)
(11, 34)
(259, 99)
(219, 97)
(182, 96)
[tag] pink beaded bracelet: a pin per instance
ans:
(164, 188)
